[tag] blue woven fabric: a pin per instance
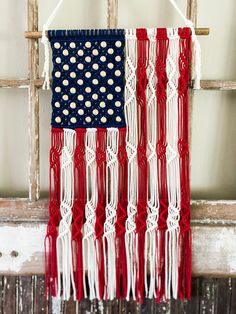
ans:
(88, 78)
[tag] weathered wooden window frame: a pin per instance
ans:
(213, 223)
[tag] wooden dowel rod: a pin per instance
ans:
(199, 31)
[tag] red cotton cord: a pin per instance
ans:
(51, 271)
(142, 80)
(78, 210)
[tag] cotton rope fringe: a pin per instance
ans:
(119, 207)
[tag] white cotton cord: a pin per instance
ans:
(89, 247)
(173, 171)
(109, 235)
(153, 197)
(45, 42)
(196, 47)
(131, 148)
(64, 250)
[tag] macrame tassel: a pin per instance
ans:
(89, 248)
(64, 251)
(161, 55)
(121, 261)
(131, 148)
(173, 171)
(111, 208)
(78, 210)
(100, 211)
(142, 64)
(51, 271)
(151, 236)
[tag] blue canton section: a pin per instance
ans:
(88, 78)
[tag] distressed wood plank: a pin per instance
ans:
(233, 296)
(33, 114)
(208, 295)
(40, 301)
(112, 13)
(223, 296)
(9, 295)
(24, 293)
(1, 293)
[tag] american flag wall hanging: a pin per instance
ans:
(119, 207)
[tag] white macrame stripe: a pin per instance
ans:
(173, 171)
(153, 197)
(64, 251)
(111, 211)
(89, 248)
(131, 148)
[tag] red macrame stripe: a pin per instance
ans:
(78, 210)
(184, 276)
(121, 266)
(142, 64)
(161, 55)
(101, 205)
(51, 273)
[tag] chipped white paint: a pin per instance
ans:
(27, 241)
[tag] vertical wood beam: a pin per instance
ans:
(112, 16)
(33, 113)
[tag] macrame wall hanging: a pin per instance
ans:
(119, 206)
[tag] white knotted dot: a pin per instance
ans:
(117, 103)
(72, 59)
(110, 51)
(88, 104)
(88, 119)
(80, 52)
(110, 82)
(103, 44)
(73, 105)
(110, 111)
(102, 104)
(95, 66)
(103, 119)
(58, 60)
(95, 81)
(88, 44)
(73, 75)
(65, 112)
(95, 52)
(57, 89)
(118, 119)
(95, 112)
(118, 58)
(80, 97)
(80, 66)
(117, 89)
(65, 97)
(57, 45)
(117, 73)
(103, 73)
(95, 96)
(58, 74)
(66, 67)
(110, 65)
(118, 44)
(73, 120)
(110, 96)
(88, 59)
(88, 90)
(102, 89)
(103, 58)
(72, 45)
(65, 52)
(80, 112)
(88, 74)
(57, 104)
(65, 82)
(80, 82)
(58, 119)
(73, 90)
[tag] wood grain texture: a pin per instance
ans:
(112, 13)
(33, 114)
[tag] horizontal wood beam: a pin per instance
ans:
(204, 31)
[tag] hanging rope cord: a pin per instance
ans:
(188, 23)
